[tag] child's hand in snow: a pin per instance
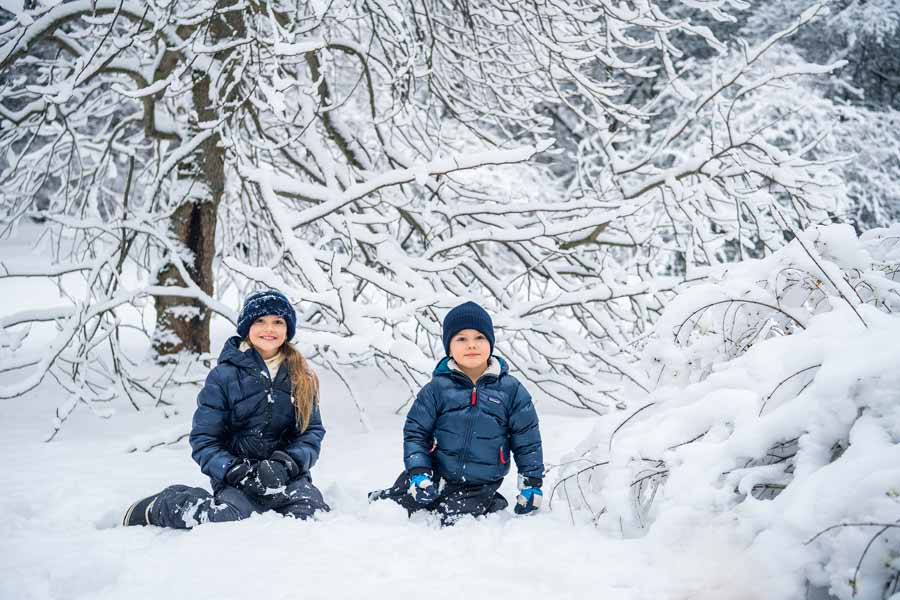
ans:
(530, 495)
(422, 489)
(276, 471)
(243, 475)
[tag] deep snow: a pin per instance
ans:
(709, 537)
(62, 502)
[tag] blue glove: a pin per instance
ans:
(528, 500)
(422, 489)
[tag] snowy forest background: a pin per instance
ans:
(681, 215)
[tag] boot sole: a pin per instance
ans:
(133, 507)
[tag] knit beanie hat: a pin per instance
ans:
(467, 316)
(267, 302)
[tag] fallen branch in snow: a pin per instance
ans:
(167, 437)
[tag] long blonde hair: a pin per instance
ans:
(304, 384)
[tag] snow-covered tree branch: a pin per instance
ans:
(566, 165)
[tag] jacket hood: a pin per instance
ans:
(248, 359)
(443, 367)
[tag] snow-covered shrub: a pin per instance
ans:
(777, 405)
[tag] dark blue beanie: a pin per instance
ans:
(267, 302)
(467, 316)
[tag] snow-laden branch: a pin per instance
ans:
(35, 30)
(331, 201)
(379, 166)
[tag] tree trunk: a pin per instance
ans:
(182, 324)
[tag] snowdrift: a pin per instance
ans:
(777, 408)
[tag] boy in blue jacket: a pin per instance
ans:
(464, 427)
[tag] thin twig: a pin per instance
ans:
(896, 524)
(634, 414)
(782, 382)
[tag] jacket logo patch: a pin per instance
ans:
(494, 400)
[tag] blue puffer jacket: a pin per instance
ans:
(464, 433)
(242, 414)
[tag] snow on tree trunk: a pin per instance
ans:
(182, 324)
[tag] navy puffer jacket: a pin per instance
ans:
(464, 433)
(241, 413)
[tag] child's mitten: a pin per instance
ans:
(271, 475)
(290, 465)
(530, 495)
(422, 489)
(243, 475)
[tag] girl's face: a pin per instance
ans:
(267, 335)
(470, 349)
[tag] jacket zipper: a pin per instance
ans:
(269, 402)
(470, 425)
(270, 399)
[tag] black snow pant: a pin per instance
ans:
(183, 507)
(454, 501)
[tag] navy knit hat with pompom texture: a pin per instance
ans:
(467, 316)
(267, 302)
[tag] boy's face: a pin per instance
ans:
(470, 349)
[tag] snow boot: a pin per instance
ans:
(380, 495)
(498, 503)
(139, 512)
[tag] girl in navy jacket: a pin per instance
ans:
(256, 432)
(465, 427)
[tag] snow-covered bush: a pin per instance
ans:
(777, 405)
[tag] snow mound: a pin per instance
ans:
(776, 408)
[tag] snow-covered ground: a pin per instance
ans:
(811, 410)
(62, 502)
